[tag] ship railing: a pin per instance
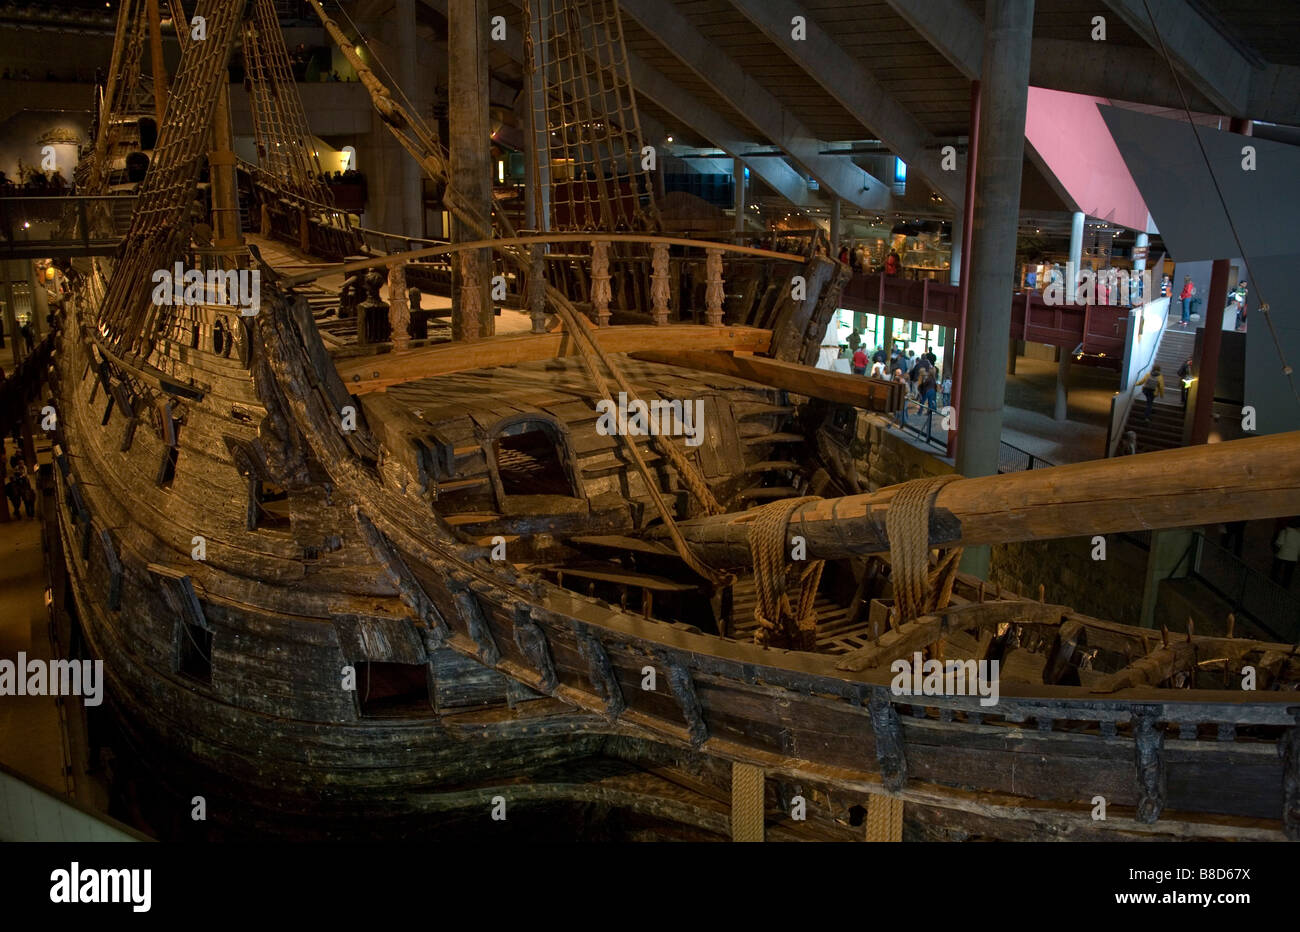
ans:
(63, 225)
(679, 280)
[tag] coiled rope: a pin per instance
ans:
(782, 623)
(919, 588)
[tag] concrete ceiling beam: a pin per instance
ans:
(845, 78)
(835, 174)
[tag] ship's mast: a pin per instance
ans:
(226, 232)
(221, 165)
(157, 66)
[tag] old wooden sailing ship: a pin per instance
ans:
(341, 570)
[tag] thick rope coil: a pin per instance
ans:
(781, 623)
(918, 588)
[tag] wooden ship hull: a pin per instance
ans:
(349, 588)
(236, 661)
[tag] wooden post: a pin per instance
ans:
(746, 802)
(659, 284)
(156, 62)
(221, 159)
(471, 171)
(714, 291)
(884, 817)
(537, 289)
(600, 293)
(399, 307)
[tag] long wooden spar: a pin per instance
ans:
(1239, 480)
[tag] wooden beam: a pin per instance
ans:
(1240, 480)
(366, 374)
(861, 392)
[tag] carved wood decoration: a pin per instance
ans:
(659, 289)
(399, 308)
(472, 614)
(1149, 745)
(1289, 750)
(600, 290)
(532, 642)
(602, 673)
(683, 689)
(714, 291)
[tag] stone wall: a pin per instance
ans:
(885, 458)
(1110, 588)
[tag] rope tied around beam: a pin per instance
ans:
(919, 588)
(782, 623)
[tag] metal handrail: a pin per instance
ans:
(1283, 626)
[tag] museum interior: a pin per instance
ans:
(649, 420)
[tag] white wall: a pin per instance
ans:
(1141, 349)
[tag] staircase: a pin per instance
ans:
(1165, 429)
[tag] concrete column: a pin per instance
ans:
(1139, 265)
(1076, 256)
(1061, 411)
(409, 173)
(738, 176)
(835, 227)
(967, 231)
(1008, 31)
(471, 167)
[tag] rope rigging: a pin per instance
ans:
(417, 138)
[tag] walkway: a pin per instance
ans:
(1099, 328)
(60, 226)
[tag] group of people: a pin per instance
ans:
(351, 176)
(925, 384)
(1189, 299)
(858, 258)
(33, 183)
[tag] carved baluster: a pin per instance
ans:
(399, 308)
(714, 291)
(600, 291)
(1289, 750)
(537, 290)
(659, 284)
(1149, 741)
